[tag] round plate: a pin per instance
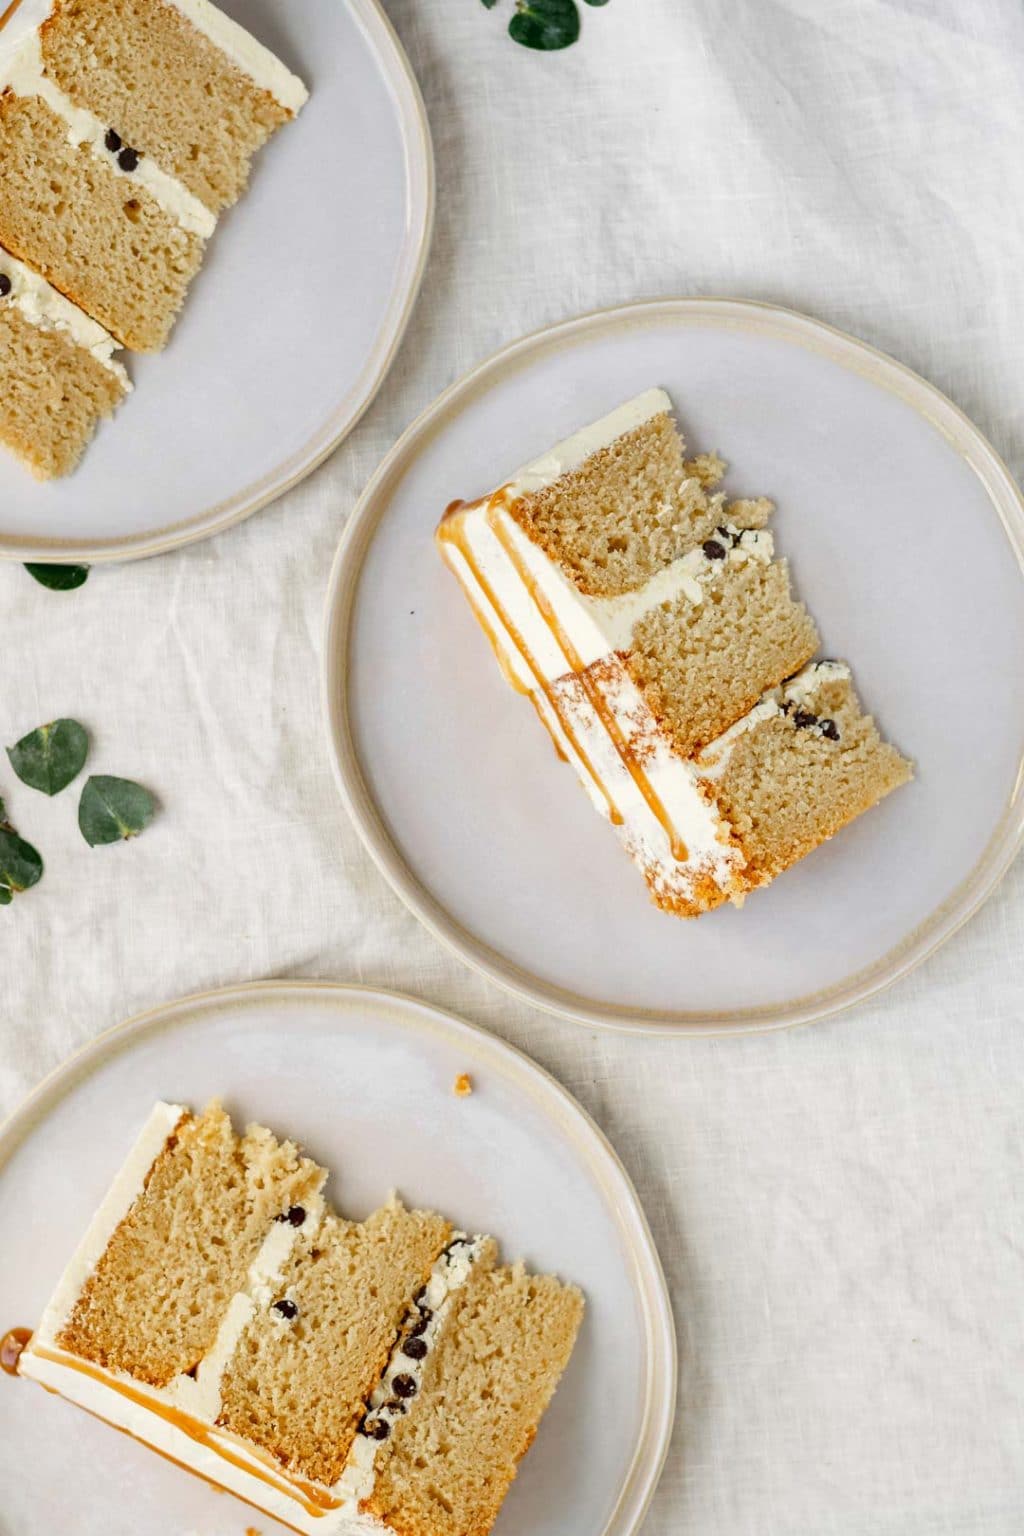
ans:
(905, 534)
(365, 1080)
(288, 330)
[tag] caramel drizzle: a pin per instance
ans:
(450, 531)
(316, 1501)
(590, 688)
(11, 1346)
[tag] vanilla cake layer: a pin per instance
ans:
(334, 1337)
(203, 120)
(58, 373)
(635, 682)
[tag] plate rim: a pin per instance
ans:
(420, 198)
(915, 947)
(650, 1286)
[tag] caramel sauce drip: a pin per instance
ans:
(315, 1500)
(594, 694)
(450, 532)
(11, 1346)
(6, 15)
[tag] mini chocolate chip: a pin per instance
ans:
(415, 1348)
(5, 285)
(422, 1323)
(713, 549)
(802, 719)
(377, 1429)
(295, 1215)
(395, 1405)
(405, 1386)
(732, 535)
(286, 1308)
(419, 1296)
(829, 729)
(113, 140)
(786, 706)
(129, 159)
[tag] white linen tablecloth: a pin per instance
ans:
(840, 1209)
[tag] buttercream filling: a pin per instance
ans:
(386, 1406)
(796, 693)
(42, 306)
(23, 71)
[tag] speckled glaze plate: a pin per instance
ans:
(905, 534)
(289, 329)
(365, 1080)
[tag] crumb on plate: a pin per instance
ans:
(463, 1086)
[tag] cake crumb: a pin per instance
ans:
(463, 1086)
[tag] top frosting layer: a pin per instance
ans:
(571, 453)
(244, 51)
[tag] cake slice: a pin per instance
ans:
(59, 376)
(115, 210)
(644, 615)
(342, 1376)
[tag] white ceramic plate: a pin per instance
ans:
(290, 327)
(905, 534)
(364, 1079)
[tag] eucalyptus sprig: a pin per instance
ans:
(49, 757)
(113, 810)
(21, 866)
(545, 24)
(61, 578)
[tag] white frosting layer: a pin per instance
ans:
(248, 1480)
(571, 453)
(449, 1275)
(587, 743)
(798, 691)
(22, 71)
(245, 52)
(121, 1196)
(43, 306)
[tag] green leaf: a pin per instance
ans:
(20, 865)
(597, 2)
(490, 4)
(113, 809)
(48, 759)
(59, 578)
(545, 24)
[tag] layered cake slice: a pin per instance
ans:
(644, 614)
(342, 1376)
(59, 376)
(125, 125)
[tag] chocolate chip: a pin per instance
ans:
(802, 719)
(830, 729)
(395, 1405)
(377, 1429)
(286, 1308)
(295, 1215)
(417, 1299)
(5, 285)
(129, 159)
(713, 550)
(405, 1386)
(113, 140)
(731, 535)
(422, 1323)
(415, 1348)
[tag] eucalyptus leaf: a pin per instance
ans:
(490, 4)
(597, 2)
(111, 810)
(545, 24)
(59, 578)
(48, 759)
(20, 865)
